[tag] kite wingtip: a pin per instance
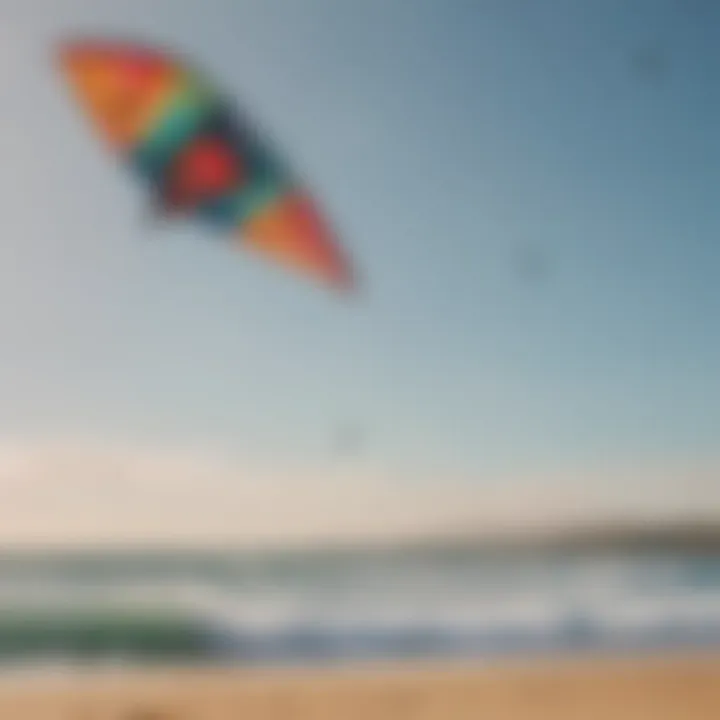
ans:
(69, 48)
(61, 51)
(73, 45)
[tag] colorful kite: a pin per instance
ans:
(198, 158)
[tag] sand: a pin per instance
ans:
(622, 689)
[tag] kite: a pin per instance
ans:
(198, 158)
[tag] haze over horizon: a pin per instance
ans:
(69, 492)
(530, 194)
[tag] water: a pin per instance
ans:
(279, 609)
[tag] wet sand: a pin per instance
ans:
(650, 688)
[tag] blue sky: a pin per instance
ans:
(447, 140)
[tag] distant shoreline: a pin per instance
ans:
(702, 536)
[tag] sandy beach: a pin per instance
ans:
(600, 689)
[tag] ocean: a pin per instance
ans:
(312, 607)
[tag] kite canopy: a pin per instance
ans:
(197, 157)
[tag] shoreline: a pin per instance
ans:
(629, 687)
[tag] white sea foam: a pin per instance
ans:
(408, 607)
